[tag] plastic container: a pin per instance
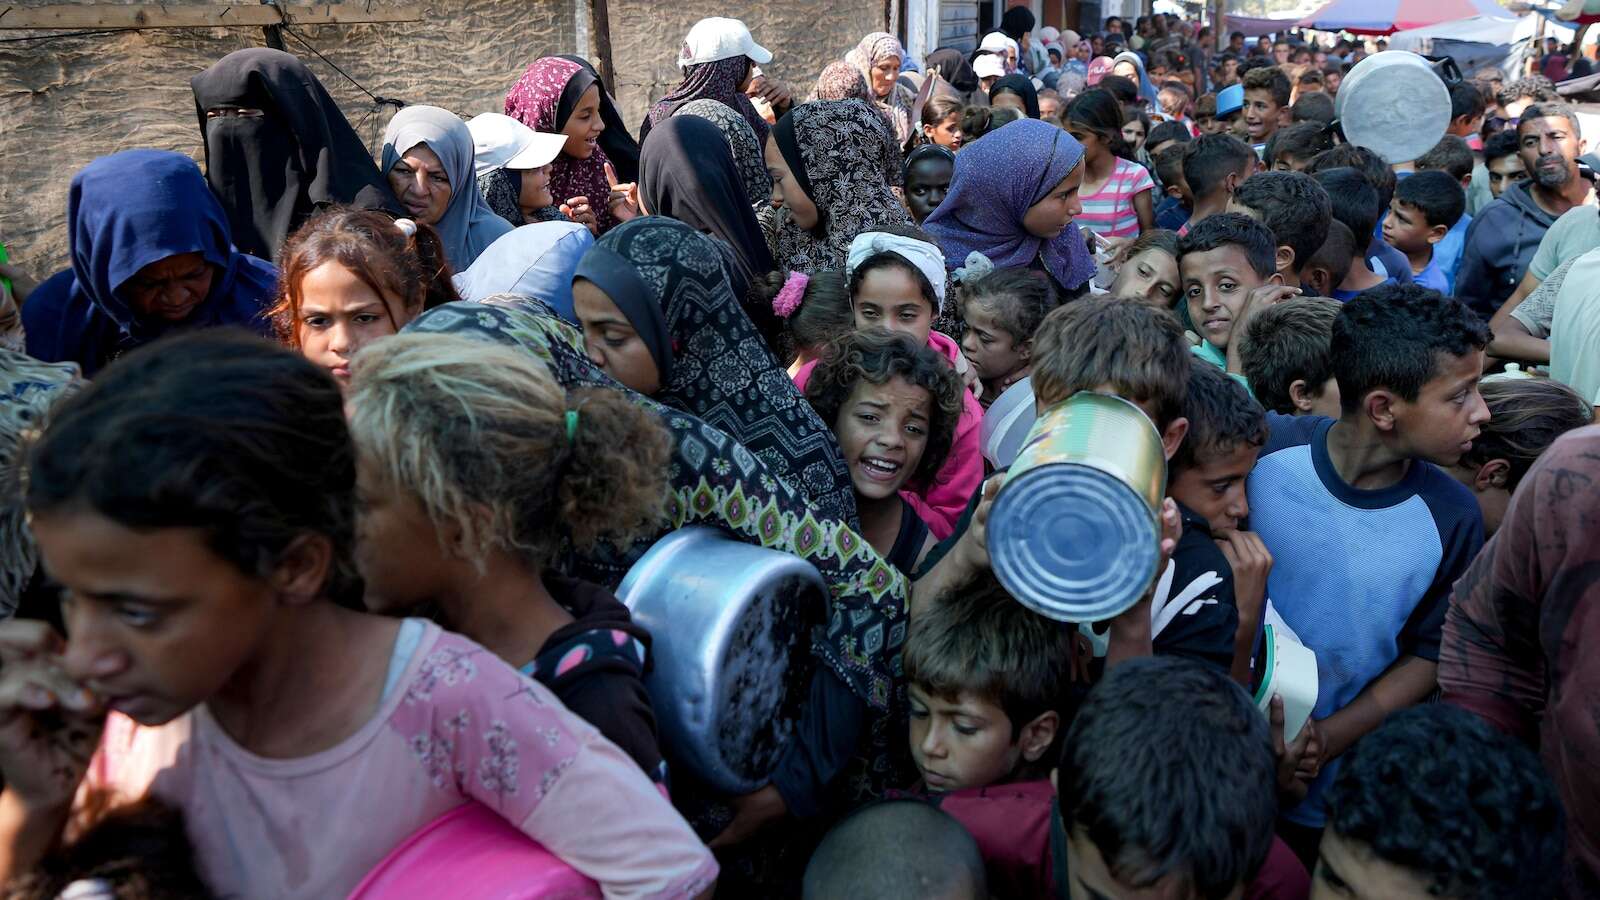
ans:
(1288, 669)
(1006, 424)
(1074, 532)
(731, 627)
(470, 853)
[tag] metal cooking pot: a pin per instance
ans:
(1393, 104)
(1006, 424)
(1074, 532)
(731, 626)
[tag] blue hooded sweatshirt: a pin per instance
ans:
(125, 211)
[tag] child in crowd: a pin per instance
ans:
(1435, 803)
(1175, 207)
(1285, 357)
(815, 309)
(897, 281)
(1526, 415)
(1338, 256)
(926, 174)
(456, 525)
(1381, 258)
(1150, 729)
(211, 614)
(986, 678)
(1213, 609)
(1424, 209)
(1367, 486)
(1002, 310)
(352, 276)
(1225, 259)
(893, 404)
(1205, 114)
(1266, 104)
(1213, 168)
(1117, 192)
(1167, 134)
(942, 122)
(1149, 271)
(1314, 108)
(1291, 149)
(1451, 155)
(1295, 208)
(1503, 162)
(1355, 204)
(897, 850)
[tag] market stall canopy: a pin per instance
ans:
(1255, 27)
(1389, 16)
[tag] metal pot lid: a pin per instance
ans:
(1393, 104)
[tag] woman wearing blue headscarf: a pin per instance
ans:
(151, 254)
(1012, 199)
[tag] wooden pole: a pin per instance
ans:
(601, 16)
(273, 33)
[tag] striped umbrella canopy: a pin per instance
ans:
(1389, 16)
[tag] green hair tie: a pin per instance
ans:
(572, 424)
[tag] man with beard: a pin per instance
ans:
(1506, 233)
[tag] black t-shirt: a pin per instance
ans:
(1204, 628)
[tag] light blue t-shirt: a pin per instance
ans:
(1433, 276)
(1447, 253)
(1363, 577)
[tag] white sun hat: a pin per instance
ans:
(501, 142)
(719, 38)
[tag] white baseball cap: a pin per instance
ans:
(718, 38)
(501, 142)
(988, 64)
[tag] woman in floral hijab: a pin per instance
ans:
(838, 156)
(878, 58)
(544, 99)
(722, 80)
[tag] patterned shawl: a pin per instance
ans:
(28, 388)
(998, 177)
(716, 481)
(844, 159)
(873, 49)
(542, 99)
(841, 80)
(719, 81)
(747, 151)
(719, 368)
(502, 190)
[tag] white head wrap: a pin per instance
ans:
(927, 258)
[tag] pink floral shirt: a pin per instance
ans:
(458, 726)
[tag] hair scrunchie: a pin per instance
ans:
(789, 297)
(977, 266)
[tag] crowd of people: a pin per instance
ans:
(324, 470)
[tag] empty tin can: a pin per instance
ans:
(1074, 532)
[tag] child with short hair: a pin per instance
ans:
(1526, 415)
(1424, 209)
(896, 850)
(352, 276)
(1285, 355)
(1002, 310)
(1213, 167)
(1149, 271)
(1149, 725)
(1313, 108)
(1167, 134)
(1355, 204)
(1332, 263)
(1367, 486)
(213, 593)
(1381, 258)
(893, 405)
(1174, 208)
(1296, 209)
(1435, 803)
(1451, 155)
(1266, 104)
(987, 677)
(458, 526)
(1226, 258)
(1292, 148)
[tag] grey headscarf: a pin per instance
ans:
(468, 225)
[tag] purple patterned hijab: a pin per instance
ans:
(717, 80)
(543, 99)
(998, 177)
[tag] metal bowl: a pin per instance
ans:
(1074, 532)
(731, 626)
(1393, 104)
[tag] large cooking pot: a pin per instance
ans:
(1075, 531)
(1393, 104)
(731, 626)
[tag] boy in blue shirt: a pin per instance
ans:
(1367, 535)
(1424, 209)
(1355, 202)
